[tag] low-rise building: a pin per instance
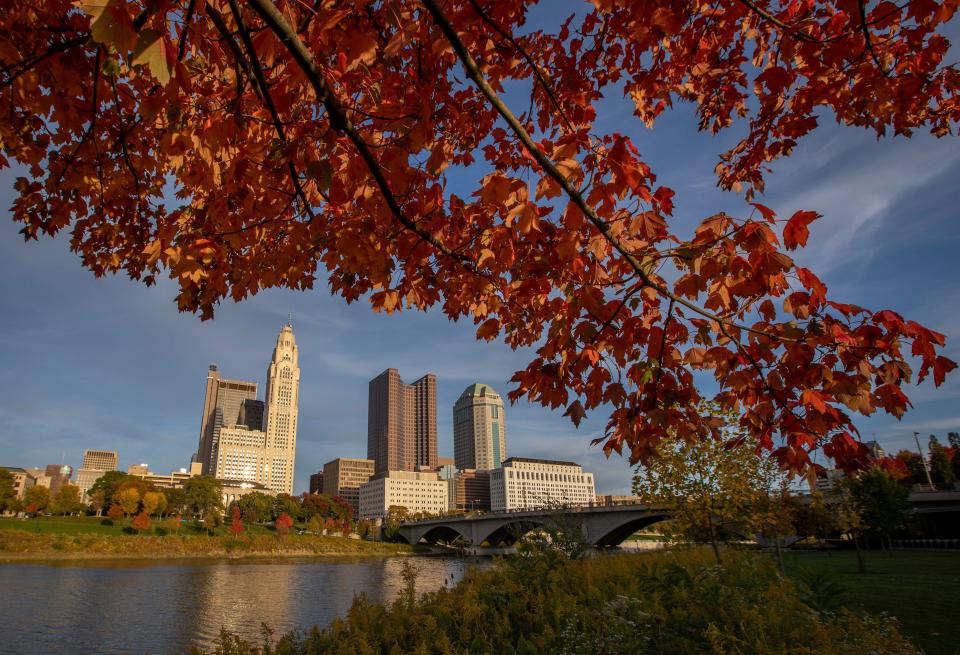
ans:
(344, 476)
(21, 480)
(40, 477)
(138, 469)
(607, 499)
(419, 492)
(526, 483)
(471, 490)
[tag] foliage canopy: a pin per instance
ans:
(309, 136)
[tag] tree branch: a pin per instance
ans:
(339, 120)
(474, 73)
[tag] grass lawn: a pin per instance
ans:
(921, 588)
(61, 525)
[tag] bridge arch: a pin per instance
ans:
(442, 532)
(507, 533)
(615, 534)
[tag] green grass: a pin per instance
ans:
(920, 588)
(85, 537)
(61, 525)
(73, 525)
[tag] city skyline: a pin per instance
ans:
(64, 324)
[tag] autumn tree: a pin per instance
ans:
(115, 513)
(282, 524)
(376, 149)
(236, 525)
(129, 500)
(36, 499)
(67, 500)
(154, 502)
(140, 522)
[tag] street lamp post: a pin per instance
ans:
(926, 469)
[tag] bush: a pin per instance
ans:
(106, 522)
(659, 603)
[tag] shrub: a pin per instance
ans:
(659, 603)
(106, 522)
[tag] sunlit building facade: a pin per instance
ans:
(525, 483)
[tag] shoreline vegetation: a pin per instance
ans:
(664, 602)
(62, 539)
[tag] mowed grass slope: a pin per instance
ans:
(920, 588)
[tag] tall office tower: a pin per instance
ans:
(227, 403)
(95, 464)
(280, 412)
(402, 422)
(263, 448)
(424, 392)
(479, 435)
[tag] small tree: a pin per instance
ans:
(283, 524)
(881, 503)
(115, 513)
(36, 499)
(174, 522)
(236, 525)
(8, 493)
(154, 502)
(67, 500)
(129, 500)
(141, 522)
(707, 484)
(315, 524)
(941, 468)
(98, 501)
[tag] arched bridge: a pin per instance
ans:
(600, 525)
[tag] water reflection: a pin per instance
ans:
(121, 607)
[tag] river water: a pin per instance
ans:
(168, 606)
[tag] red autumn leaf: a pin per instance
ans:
(795, 232)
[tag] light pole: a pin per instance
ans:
(926, 469)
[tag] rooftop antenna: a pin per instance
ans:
(290, 319)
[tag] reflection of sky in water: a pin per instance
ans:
(141, 607)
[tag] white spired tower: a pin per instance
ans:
(280, 413)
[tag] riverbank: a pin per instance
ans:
(21, 546)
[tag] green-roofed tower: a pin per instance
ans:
(479, 435)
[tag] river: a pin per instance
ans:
(168, 606)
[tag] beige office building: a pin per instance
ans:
(266, 456)
(402, 422)
(420, 492)
(40, 477)
(525, 483)
(343, 477)
(22, 480)
(95, 464)
(226, 404)
(138, 469)
(479, 435)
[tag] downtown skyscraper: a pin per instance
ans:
(479, 434)
(402, 422)
(246, 439)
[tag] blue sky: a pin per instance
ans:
(111, 364)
